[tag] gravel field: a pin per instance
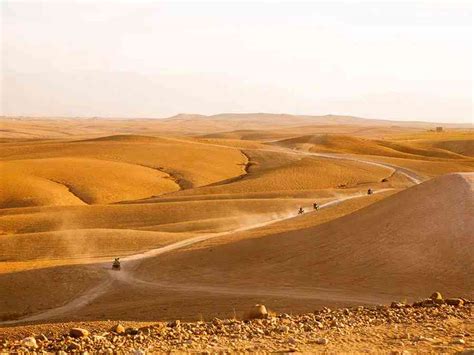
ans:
(433, 325)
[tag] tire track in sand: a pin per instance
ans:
(129, 261)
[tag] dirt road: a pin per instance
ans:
(129, 263)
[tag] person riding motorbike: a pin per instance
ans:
(315, 206)
(369, 192)
(116, 264)
(301, 210)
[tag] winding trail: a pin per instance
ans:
(411, 175)
(130, 262)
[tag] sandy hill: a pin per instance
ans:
(464, 147)
(401, 246)
(458, 141)
(354, 145)
(276, 172)
(109, 169)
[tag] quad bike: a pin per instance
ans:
(369, 192)
(116, 264)
(316, 206)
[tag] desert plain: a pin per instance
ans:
(203, 213)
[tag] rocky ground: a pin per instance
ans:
(432, 325)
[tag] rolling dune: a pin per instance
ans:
(354, 145)
(96, 189)
(399, 246)
(82, 181)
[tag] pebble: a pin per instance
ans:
(118, 328)
(284, 329)
(259, 311)
(78, 332)
(321, 341)
(29, 342)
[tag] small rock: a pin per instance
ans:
(458, 341)
(454, 302)
(131, 331)
(78, 332)
(42, 337)
(428, 302)
(284, 329)
(259, 311)
(74, 346)
(437, 298)
(174, 324)
(29, 342)
(217, 321)
(118, 328)
(398, 305)
(321, 341)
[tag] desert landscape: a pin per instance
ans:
(205, 220)
(216, 177)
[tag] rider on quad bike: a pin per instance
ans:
(116, 264)
(315, 206)
(301, 210)
(369, 192)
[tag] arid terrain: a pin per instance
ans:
(203, 213)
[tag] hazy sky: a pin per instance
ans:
(400, 60)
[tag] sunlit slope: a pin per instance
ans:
(31, 259)
(76, 245)
(177, 216)
(276, 184)
(408, 244)
(459, 146)
(460, 142)
(353, 145)
(109, 169)
(286, 173)
(64, 181)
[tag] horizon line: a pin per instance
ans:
(230, 113)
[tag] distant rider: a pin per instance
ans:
(301, 210)
(116, 263)
(315, 206)
(369, 192)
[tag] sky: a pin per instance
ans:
(404, 60)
